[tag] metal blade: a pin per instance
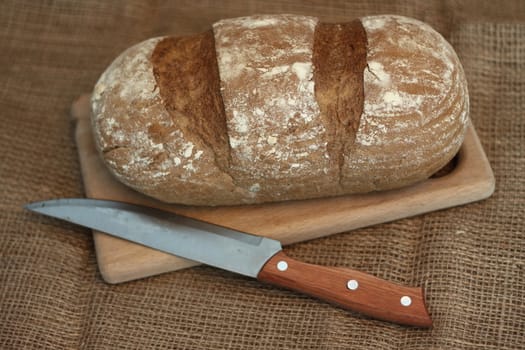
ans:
(187, 238)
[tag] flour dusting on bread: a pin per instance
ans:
(251, 111)
(126, 107)
(268, 93)
(415, 94)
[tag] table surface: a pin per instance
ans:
(470, 259)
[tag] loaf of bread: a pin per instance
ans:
(281, 107)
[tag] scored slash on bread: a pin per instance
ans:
(281, 107)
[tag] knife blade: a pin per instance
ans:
(246, 254)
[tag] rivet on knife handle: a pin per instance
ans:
(350, 289)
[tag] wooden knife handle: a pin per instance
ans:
(349, 289)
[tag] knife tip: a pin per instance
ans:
(35, 206)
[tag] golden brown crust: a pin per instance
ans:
(160, 125)
(416, 106)
(187, 76)
(153, 150)
(278, 142)
(339, 58)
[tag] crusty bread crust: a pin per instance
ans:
(416, 106)
(339, 58)
(258, 110)
(279, 144)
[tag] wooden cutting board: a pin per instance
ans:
(470, 179)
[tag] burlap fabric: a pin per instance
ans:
(471, 259)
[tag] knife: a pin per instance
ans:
(243, 253)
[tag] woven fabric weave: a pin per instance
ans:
(471, 259)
